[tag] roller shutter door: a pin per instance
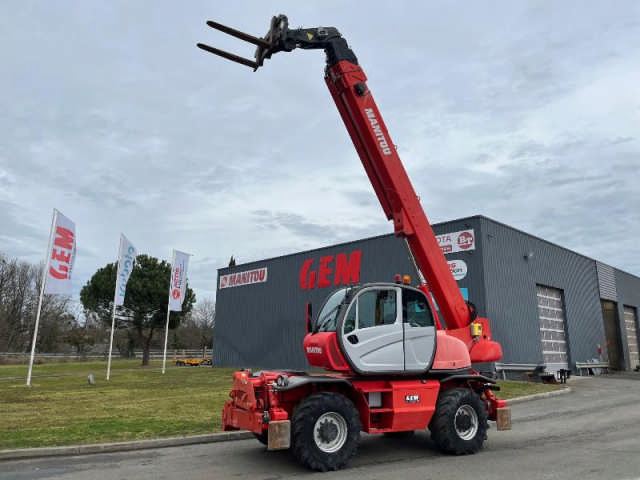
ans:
(552, 328)
(630, 322)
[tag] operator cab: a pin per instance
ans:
(380, 327)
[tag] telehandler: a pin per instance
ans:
(395, 363)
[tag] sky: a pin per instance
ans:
(525, 112)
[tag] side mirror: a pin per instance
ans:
(308, 318)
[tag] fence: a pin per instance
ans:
(153, 354)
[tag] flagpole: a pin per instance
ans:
(166, 329)
(44, 280)
(113, 313)
(166, 338)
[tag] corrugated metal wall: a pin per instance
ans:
(628, 293)
(474, 281)
(263, 325)
(514, 263)
(607, 282)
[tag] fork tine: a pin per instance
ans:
(229, 56)
(238, 34)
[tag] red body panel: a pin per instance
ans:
(481, 349)
(451, 353)
(404, 404)
(322, 351)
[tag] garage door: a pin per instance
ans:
(630, 320)
(552, 328)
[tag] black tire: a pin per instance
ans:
(459, 424)
(263, 437)
(179, 364)
(325, 431)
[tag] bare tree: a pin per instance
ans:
(19, 291)
(204, 317)
(18, 299)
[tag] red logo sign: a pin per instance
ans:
(341, 269)
(465, 240)
(176, 293)
(61, 253)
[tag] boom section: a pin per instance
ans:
(379, 156)
(347, 83)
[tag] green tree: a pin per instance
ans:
(146, 300)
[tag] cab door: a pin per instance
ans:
(372, 331)
(419, 331)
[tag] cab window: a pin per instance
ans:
(326, 320)
(377, 307)
(350, 319)
(415, 309)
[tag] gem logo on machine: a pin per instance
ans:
(411, 398)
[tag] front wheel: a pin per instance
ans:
(459, 424)
(326, 431)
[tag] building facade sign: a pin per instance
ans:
(341, 269)
(462, 241)
(238, 279)
(458, 269)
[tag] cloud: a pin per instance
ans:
(521, 112)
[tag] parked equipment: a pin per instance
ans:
(192, 361)
(396, 363)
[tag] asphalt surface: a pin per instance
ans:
(591, 433)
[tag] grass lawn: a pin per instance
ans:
(61, 408)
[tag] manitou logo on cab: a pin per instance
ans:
(316, 350)
(332, 270)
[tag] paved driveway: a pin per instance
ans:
(591, 433)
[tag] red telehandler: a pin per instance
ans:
(395, 362)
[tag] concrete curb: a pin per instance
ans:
(30, 453)
(537, 396)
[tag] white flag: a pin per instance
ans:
(126, 258)
(61, 256)
(178, 282)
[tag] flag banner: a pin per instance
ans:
(126, 258)
(178, 282)
(61, 256)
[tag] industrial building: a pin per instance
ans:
(549, 307)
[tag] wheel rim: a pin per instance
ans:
(330, 432)
(466, 422)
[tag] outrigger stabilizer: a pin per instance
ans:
(280, 38)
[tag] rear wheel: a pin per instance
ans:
(459, 425)
(326, 431)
